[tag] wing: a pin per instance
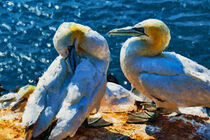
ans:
(164, 64)
(169, 63)
(85, 92)
(182, 90)
(182, 81)
(44, 103)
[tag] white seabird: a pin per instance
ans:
(16, 100)
(169, 79)
(72, 86)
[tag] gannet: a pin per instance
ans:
(72, 86)
(169, 79)
(16, 100)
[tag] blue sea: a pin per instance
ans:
(28, 26)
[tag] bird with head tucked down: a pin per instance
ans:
(72, 86)
(169, 79)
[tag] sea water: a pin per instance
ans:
(28, 26)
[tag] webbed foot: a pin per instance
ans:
(142, 117)
(150, 113)
(96, 123)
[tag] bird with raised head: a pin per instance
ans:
(169, 79)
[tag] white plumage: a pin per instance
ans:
(169, 79)
(72, 86)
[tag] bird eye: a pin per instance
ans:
(139, 29)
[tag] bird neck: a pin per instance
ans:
(157, 40)
(137, 46)
(150, 46)
(94, 45)
(140, 46)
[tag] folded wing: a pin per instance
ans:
(85, 92)
(176, 79)
(40, 110)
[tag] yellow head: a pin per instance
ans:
(153, 32)
(84, 39)
(67, 35)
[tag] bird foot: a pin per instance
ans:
(142, 117)
(150, 113)
(96, 123)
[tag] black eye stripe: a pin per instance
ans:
(139, 29)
